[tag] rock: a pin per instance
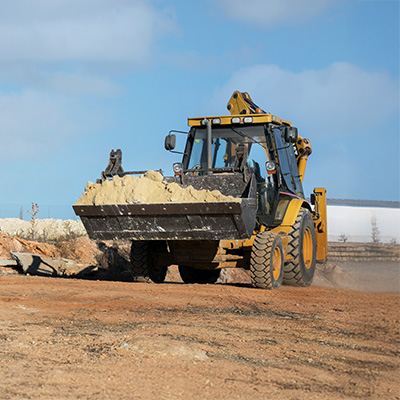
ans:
(15, 244)
(35, 264)
(234, 275)
(8, 266)
(7, 263)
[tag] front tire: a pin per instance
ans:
(299, 271)
(144, 261)
(266, 261)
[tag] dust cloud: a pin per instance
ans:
(369, 276)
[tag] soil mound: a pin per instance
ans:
(147, 188)
(10, 244)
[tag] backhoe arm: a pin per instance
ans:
(304, 149)
(241, 103)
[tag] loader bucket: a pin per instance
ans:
(170, 221)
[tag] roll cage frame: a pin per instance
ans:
(277, 189)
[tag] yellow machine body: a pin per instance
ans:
(244, 112)
(267, 226)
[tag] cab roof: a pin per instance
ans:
(240, 119)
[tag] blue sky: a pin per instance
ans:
(81, 77)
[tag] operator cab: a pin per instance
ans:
(260, 146)
(229, 146)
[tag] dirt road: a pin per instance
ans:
(71, 339)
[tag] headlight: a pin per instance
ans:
(271, 167)
(177, 167)
(248, 120)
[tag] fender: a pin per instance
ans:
(291, 213)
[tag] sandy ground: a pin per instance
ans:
(101, 339)
(76, 339)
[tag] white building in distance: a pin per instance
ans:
(363, 221)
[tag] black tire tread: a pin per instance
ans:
(140, 259)
(260, 255)
(291, 271)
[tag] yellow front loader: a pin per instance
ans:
(269, 227)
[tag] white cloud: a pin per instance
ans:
(53, 53)
(35, 123)
(270, 13)
(82, 84)
(341, 99)
(69, 46)
(111, 31)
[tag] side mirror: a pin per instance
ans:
(290, 134)
(170, 142)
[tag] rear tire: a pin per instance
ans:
(266, 261)
(144, 263)
(157, 272)
(139, 260)
(194, 275)
(302, 248)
